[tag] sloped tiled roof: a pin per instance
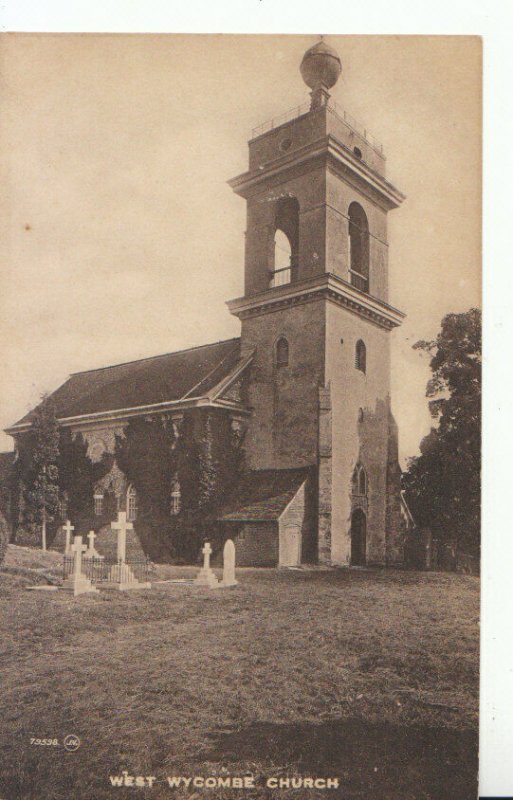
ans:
(263, 495)
(174, 376)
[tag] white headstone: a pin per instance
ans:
(207, 552)
(121, 526)
(120, 575)
(206, 577)
(78, 549)
(229, 564)
(77, 582)
(68, 527)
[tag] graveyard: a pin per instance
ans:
(312, 672)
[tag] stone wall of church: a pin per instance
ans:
(301, 514)
(256, 544)
(325, 475)
(360, 429)
(282, 431)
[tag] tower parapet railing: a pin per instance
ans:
(342, 115)
(281, 119)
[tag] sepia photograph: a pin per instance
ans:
(240, 467)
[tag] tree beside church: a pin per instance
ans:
(37, 474)
(443, 483)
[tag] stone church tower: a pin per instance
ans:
(316, 316)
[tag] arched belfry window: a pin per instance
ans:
(282, 259)
(358, 247)
(286, 242)
(131, 504)
(282, 352)
(360, 356)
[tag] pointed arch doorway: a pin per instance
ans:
(358, 538)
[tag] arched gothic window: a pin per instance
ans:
(282, 352)
(359, 481)
(131, 504)
(358, 247)
(360, 356)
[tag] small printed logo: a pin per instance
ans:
(71, 743)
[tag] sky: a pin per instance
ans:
(119, 237)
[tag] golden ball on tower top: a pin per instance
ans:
(321, 66)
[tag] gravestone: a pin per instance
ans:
(91, 551)
(205, 576)
(120, 575)
(77, 581)
(62, 539)
(68, 527)
(121, 526)
(229, 564)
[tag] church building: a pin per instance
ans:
(305, 389)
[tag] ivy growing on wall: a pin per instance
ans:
(78, 475)
(205, 461)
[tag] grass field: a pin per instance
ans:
(366, 675)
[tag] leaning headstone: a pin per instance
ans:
(205, 576)
(77, 582)
(120, 575)
(229, 564)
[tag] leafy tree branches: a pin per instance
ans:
(443, 483)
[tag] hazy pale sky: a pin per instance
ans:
(119, 237)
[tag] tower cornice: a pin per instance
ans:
(330, 151)
(327, 286)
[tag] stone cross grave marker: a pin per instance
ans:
(207, 552)
(91, 551)
(78, 549)
(77, 581)
(120, 575)
(206, 577)
(121, 526)
(229, 564)
(68, 527)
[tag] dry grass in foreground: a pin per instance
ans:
(370, 676)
